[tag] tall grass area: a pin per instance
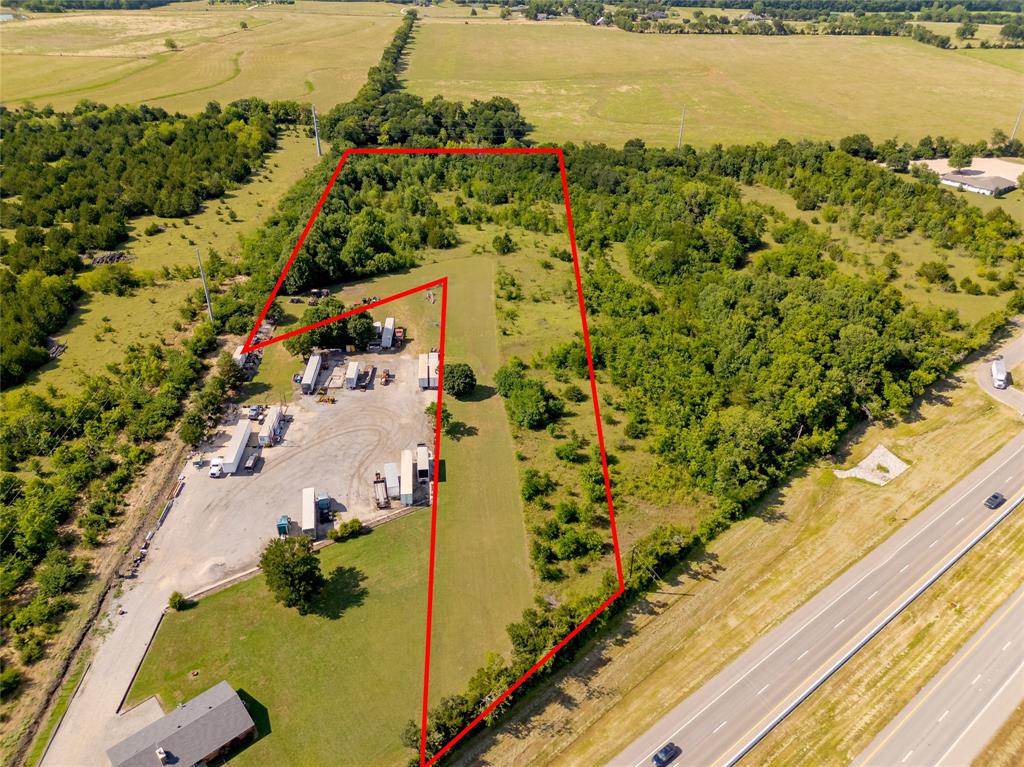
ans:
(307, 51)
(579, 83)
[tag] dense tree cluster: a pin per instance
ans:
(70, 181)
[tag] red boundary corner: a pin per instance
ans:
(443, 284)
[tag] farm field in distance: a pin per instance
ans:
(579, 83)
(308, 51)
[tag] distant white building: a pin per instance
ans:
(990, 186)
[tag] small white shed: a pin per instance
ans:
(423, 376)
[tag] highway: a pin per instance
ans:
(958, 712)
(723, 720)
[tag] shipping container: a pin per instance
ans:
(308, 516)
(422, 463)
(271, 426)
(406, 479)
(352, 375)
(388, 336)
(310, 375)
(391, 477)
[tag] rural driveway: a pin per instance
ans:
(1013, 354)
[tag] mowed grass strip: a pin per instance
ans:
(337, 688)
(580, 83)
(700, 619)
(306, 51)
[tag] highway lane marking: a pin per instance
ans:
(803, 654)
(719, 727)
(919, 587)
(939, 682)
(904, 759)
(872, 595)
(944, 714)
(903, 568)
(839, 624)
(960, 520)
(1006, 645)
(975, 680)
(991, 700)
(933, 543)
(766, 687)
(850, 588)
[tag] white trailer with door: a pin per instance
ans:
(423, 376)
(231, 459)
(433, 364)
(352, 375)
(391, 479)
(422, 464)
(308, 515)
(388, 335)
(310, 375)
(406, 479)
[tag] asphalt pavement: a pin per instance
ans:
(723, 720)
(957, 713)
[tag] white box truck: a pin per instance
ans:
(388, 336)
(352, 375)
(406, 480)
(231, 459)
(309, 376)
(1000, 379)
(308, 516)
(268, 434)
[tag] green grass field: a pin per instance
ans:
(579, 83)
(307, 51)
(336, 686)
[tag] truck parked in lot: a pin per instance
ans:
(309, 514)
(1000, 379)
(229, 462)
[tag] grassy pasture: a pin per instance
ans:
(307, 51)
(580, 83)
(103, 324)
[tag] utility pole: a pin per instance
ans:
(316, 129)
(206, 290)
(1017, 124)
(682, 117)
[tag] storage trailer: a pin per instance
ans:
(406, 481)
(423, 376)
(310, 375)
(388, 336)
(231, 459)
(422, 464)
(433, 363)
(391, 478)
(352, 375)
(308, 515)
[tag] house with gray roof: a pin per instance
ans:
(975, 181)
(210, 725)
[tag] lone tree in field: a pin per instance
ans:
(459, 379)
(960, 157)
(292, 571)
(170, 44)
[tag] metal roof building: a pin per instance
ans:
(212, 723)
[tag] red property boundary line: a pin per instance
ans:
(443, 284)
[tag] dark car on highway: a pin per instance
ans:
(666, 755)
(995, 500)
